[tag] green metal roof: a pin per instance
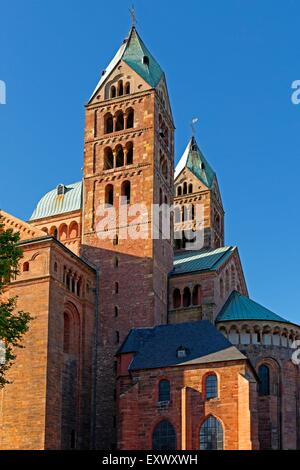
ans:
(194, 160)
(52, 204)
(133, 51)
(239, 307)
(203, 260)
(133, 56)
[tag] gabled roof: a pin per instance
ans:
(194, 160)
(239, 307)
(133, 51)
(52, 204)
(157, 347)
(202, 260)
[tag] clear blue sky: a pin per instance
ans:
(231, 63)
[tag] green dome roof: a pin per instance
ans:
(59, 201)
(240, 307)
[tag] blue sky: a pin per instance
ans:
(230, 63)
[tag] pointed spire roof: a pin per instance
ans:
(194, 160)
(134, 52)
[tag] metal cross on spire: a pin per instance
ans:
(132, 16)
(193, 126)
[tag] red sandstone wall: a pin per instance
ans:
(41, 396)
(139, 411)
(143, 265)
(23, 402)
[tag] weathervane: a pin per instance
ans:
(133, 16)
(193, 125)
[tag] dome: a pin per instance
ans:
(62, 199)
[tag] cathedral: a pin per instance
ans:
(142, 342)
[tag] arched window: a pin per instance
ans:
(164, 390)
(164, 168)
(120, 88)
(117, 336)
(73, 230)
(67, 333)
(130, 119)
(179, 191)
(197, 295)
(211, 387)
(54, 232)
(116, 262)
(164, 436)
(264, 380)
(113, 92)
(116, 240)
(176, 298)
(217, 242)
(129, 153)
(186, 297)
(109, 195)
(192, 211)
(116, 311)
(63, 232)
(160, 196)
(68, 281)
(146, 60)
(190, 188)
(125, 191)
(108, 124)
(177, 214)
(127, 88)
(119, 121)
(184, 188)
(108, 159)
(55, 267)
(119, 156)
(183, 214)
(25, 267)
(78, 287)
(211, 435)
(116, 287)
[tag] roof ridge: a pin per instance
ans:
(217, 262)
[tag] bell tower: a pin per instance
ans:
(196, 185)
(128, 168)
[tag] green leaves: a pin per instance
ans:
(13, 324)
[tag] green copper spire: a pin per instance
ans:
(194, 160)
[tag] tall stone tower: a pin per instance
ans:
(128, 160)
(196, 184)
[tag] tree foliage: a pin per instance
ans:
(13, 324)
